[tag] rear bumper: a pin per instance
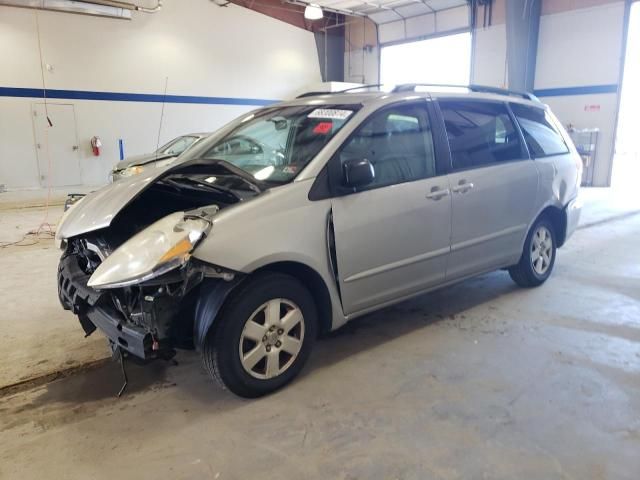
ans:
(573, 210)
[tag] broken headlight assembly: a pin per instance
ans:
(131, 171)
(163, 246)
(138, 169)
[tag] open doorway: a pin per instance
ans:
(445, 60)
(626, 163)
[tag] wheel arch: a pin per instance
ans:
(313, 281)
(558, 218)
(214, 293)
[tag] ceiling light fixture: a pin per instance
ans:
(313, 12)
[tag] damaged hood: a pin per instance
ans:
(97, 209)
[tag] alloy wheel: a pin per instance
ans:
(271, 338)
(541, 250)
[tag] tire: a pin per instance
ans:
(538, 255)
(263, 337)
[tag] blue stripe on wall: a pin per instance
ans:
(586, 90)
(129, 97)
(157, 98)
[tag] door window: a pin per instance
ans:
(542, 138)
(398, 143)
(479, 133)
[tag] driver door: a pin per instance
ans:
(392, 236)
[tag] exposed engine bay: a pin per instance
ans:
(152, 316)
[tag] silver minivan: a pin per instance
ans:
(341, 205)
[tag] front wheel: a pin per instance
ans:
(538, 256)
(264, 335)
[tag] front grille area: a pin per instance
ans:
(73, 292)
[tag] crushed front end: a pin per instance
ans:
(127, 267)
(148, 320)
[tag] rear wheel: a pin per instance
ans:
(263, 337)
(538, 256)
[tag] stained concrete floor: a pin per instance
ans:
(38, 337)
(480, 380)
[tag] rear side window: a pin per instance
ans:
(542, 138)
(480, 133)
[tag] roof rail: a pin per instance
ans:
(410, 87)
(503, 91)
(350, 89)
(312, 94)
(361, 87)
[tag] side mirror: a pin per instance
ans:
(358, 173)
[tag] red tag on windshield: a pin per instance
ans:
(323, 128)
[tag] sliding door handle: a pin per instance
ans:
(462, 188)
(437, 194)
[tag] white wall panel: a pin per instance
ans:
(580, 47)
(490, 59)
(391, 32)
(361, 66)
(18, 161)
(424, 25)
(584, 48)
(452, 19)
(421, 26)
(204, 51)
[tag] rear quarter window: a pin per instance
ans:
(542, 137)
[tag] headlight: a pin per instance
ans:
(159, 248)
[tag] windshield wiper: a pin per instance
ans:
(203, 186)
(257, 185)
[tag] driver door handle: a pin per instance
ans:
(436, 193)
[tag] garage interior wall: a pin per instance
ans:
(579, 57)
(580, 54)
(361, 51)
(578, 61)
(203, 50)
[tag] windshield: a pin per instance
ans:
(275, 144)
(177, 145)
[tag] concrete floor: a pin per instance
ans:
(480, 380)
(38, 337)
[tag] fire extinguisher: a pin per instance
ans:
(96, 145)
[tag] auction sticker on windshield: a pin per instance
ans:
(330, 113)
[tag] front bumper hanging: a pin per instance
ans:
(93, 310)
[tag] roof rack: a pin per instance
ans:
(361, 87)
(504, 91)
(410, 87)
(350, 89)
(312, 94)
